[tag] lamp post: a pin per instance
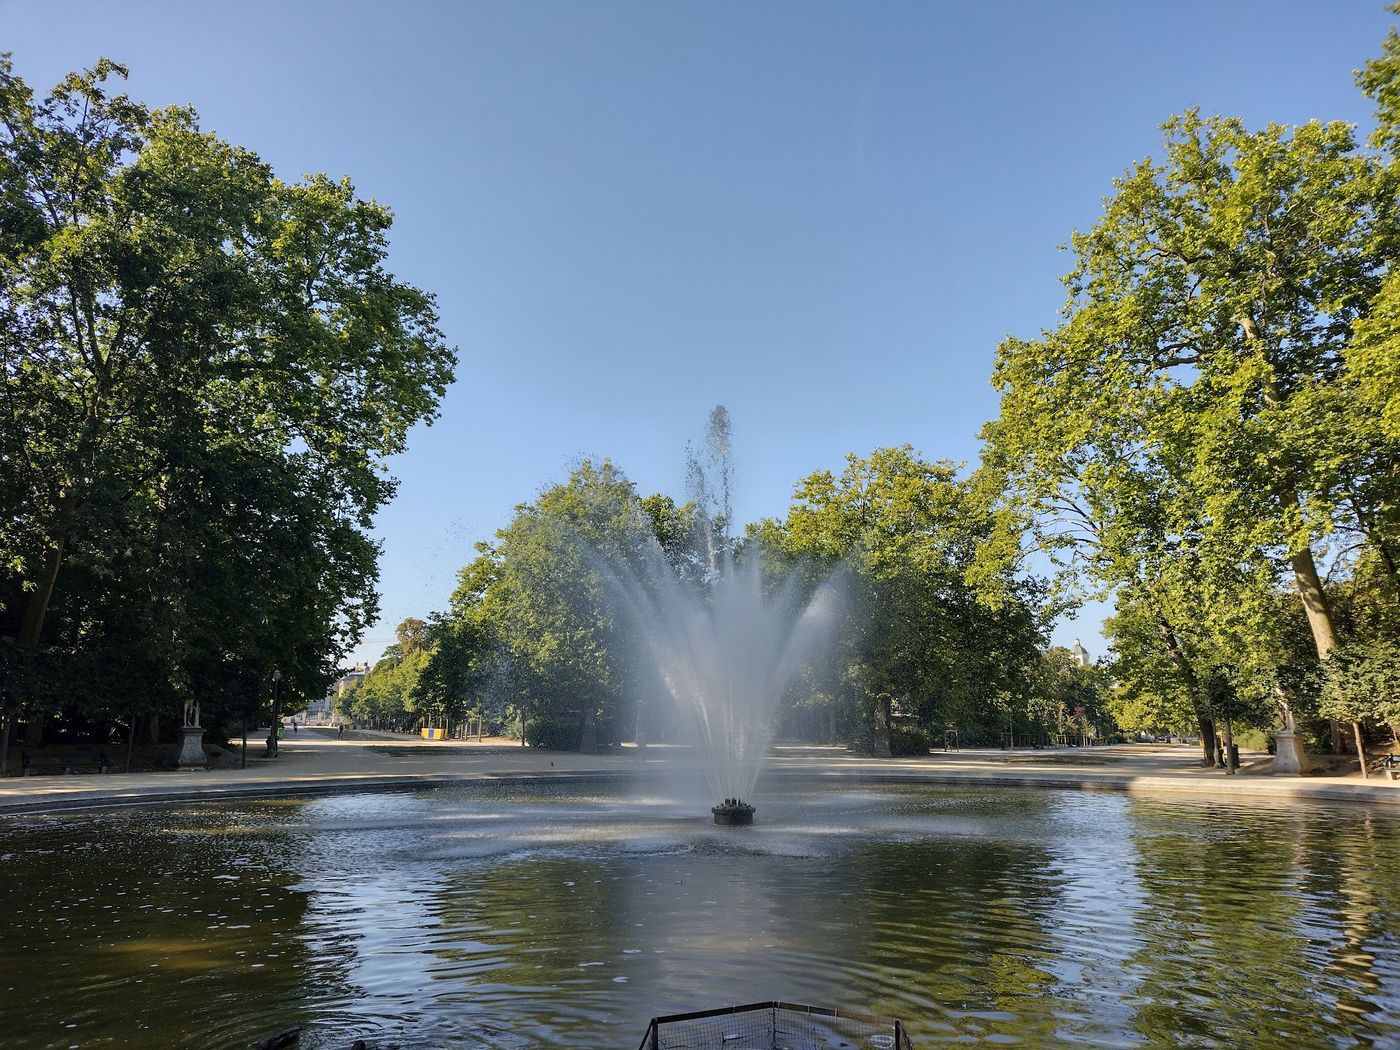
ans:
(276, 713)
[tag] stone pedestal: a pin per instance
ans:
(192, 749)
(1289, 757)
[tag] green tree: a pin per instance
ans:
(1365, 686)
(1200, 370)
(200, 362)
(1070, 698)
(536, 618)
(918, 635)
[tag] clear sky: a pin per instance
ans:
(823, 215)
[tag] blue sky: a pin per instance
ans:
(823, 215)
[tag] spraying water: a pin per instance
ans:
(726, 641)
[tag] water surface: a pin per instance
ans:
(567, 915)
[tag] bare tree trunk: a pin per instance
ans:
(1193, 685)
(5, 745)
(1314, 602)
(1360, 749)
(1229, 749)
(1319, 612)
(34, 731)
(1207, 740)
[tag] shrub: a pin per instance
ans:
(907, 740)
(552, 734)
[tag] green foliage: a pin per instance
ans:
(1365, 682)
(1189, 435)
(1071, 700)
(386, 697)
(204, 369)
(553, 734)
(908, 741)
(917, 633)
(533, 631)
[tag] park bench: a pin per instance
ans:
(68, 762)
(1390, 766)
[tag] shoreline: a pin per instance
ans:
(323, 767)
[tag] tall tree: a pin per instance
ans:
(1201, 364)
(197, 357)
(918, 634)
(539, 591)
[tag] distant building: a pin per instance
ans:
(352, 677)
(1080, 654)
(321, 710)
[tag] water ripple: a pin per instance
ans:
(520, 917)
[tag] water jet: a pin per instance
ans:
(727, 637)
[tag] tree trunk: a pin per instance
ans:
(1315, 603)
(1193, 685)
(1229, 749)
(5, 745)
(34, 731)
(1360, 749)
(1207, 726)
(130, 740)
(37, 607)
(1319, 612)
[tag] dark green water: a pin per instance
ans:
(568, 917)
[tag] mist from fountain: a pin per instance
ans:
(726, 639)
(726, 653)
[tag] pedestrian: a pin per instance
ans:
(340, 730)
(294, 725)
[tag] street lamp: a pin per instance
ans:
(276, 713)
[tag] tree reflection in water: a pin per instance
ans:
(568, 914)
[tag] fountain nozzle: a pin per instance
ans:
(733, 812)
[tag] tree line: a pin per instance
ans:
(534, 643)
(205, 368)
(1208, 437)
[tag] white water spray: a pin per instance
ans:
(727, 644)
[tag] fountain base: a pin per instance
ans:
(733, 813)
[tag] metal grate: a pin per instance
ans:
(775, 1026)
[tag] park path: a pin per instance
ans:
(314, 762)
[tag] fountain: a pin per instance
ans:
(733, 812)
(725, 640)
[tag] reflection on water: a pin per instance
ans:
(560, 916)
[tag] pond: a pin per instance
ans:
(569, 914)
